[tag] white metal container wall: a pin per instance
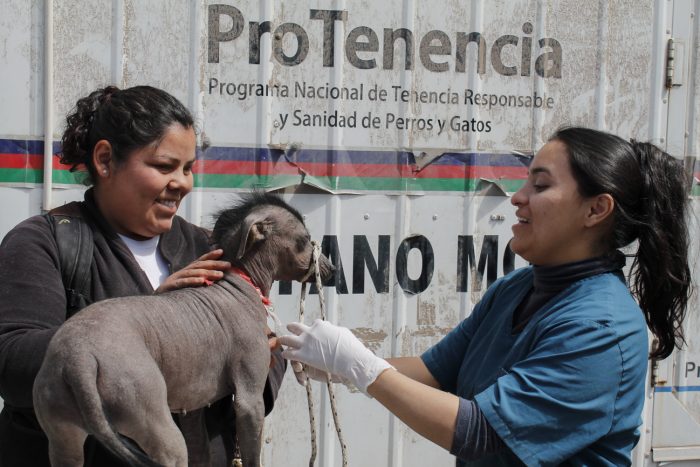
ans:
(612, 78)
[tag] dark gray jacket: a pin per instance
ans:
(33, 306)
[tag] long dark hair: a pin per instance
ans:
(129, 119)
(650, 189)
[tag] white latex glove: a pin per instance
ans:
(335, 350)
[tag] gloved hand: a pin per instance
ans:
(335, 350)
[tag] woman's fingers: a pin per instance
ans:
(204, 270)
(297, 328)
(213, 254)
(208, 262)
(215, 274)
(293, 342)
(274, 343)
(208, 265)
(291, 354)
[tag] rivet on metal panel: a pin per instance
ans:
(366, 216)
(668, 31)
(276, 124)
(435, 217)
(665, 101)
(662, 140)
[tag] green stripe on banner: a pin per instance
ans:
(37, 176)
(20, 176)
(353, 183)
(68, 178)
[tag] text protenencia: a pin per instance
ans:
(362, 45)
(313, 102)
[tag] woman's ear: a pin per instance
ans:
(102, 158)
(601, 208)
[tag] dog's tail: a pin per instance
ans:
(89, 404)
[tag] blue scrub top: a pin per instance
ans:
(569, 388)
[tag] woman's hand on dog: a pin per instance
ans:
(204, 270)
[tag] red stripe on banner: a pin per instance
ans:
(21, 161)
(28, 161)
(358, 170)
(473, 171)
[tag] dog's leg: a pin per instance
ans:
(162, 440)
(145, 417)
(59, 417)
(66, 445)
(250, 416)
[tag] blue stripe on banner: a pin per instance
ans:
(323, 156)
(484, 159)
(21, 146)
(676, 388)
(17, 146)
(341, 156)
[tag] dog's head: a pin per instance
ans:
(264, 229)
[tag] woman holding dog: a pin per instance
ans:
(550, 366)
(138, 146)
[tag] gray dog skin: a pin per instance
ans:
(123, 365)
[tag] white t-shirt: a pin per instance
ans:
(149, 258)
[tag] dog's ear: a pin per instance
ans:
(253, 231)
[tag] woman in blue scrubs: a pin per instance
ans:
(550, 366)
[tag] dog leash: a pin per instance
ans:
(299, 368)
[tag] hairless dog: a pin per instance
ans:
(119, 367)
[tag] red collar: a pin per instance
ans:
(266, 301)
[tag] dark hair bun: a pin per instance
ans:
(75, 144)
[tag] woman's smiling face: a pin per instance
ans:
(551, 227)
(140, 196)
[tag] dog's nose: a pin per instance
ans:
(331, 275)
(328, 273)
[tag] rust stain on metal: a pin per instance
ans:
(426, 314)
(430, 331)
(372, 338)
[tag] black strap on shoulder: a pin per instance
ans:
(74, 239)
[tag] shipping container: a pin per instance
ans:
(399, 128)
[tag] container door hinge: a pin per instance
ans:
(675, 63)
